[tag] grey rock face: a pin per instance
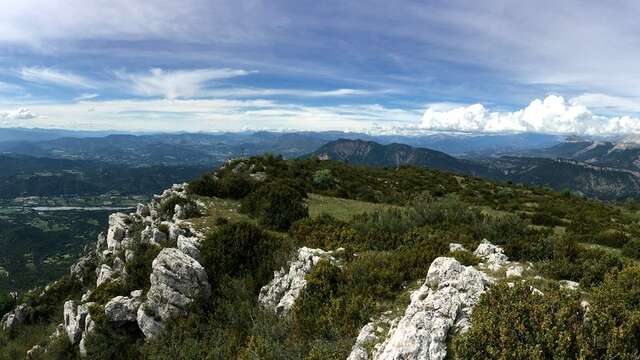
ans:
(143, 210)
(104, 274)
(75, 317)
(444, 302)
(117, 230)
(82, 268)
(456, 247)
(176, 281)
(492, 256)
(14, 318)
(569, 285)
(190, 246)
(281, 293)
(122, 309)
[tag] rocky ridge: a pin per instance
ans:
(281, 293)
(177, 278)
(441, 306)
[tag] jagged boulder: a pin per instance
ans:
(492, 256)
(176, 281)
(143, 210)
(117, 230)
(15, 317)
(122, 309)
(281, 293)
(75, 320)
(443, 303)
(81, 270)
(189, 245)
(104, 274)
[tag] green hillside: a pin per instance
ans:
(386, 226)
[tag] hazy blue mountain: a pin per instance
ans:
(560, 174)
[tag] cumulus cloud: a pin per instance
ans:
(19, 114)
(45, 75)
(176, 84)
(552, 115)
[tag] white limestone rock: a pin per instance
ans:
(492, 256)
(514, 270)
(443, 303)
(122, 309)
(117, 230)
(281, 293)
(104, 274)
(143, 210)
(453, 247)
(176, 281)
(569, 285)
(14, 318)
(75, 317)
(190, 246)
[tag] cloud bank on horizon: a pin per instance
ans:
(372, 65)
(552, 115)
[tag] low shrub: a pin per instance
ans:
(514, 323)
(632, 249)
(276, 205)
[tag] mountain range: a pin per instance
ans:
(599, 177)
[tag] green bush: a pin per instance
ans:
(612, 329)
(632, 249)
(242, 250)
(276, 205)
(230, 186)
(466, 258)
(514, 323)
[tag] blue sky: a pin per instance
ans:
(376, 66)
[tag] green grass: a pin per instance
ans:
(218, 208)
(341, 209)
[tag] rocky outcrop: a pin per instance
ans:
(14, 318)
(492, 256)
(369, 338)
(104, 274)
(281, 293)
(443, 303)
(189, 245)
(122, 309)
(176, 281)
(117, 230)
(75, 320)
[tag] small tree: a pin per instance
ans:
(276, 205)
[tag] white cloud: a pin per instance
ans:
(214, 115)
(176, 84)
(83, 97)
(19, 114)
(608, 102)
(55, 77)
(551, 115)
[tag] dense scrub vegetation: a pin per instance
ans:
(385, 254)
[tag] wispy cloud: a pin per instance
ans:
(51, 76)
(175, 84)
(87, 96)
(19, 114)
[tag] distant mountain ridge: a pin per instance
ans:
(604, 182)
(363, 152)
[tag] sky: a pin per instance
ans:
(403, 66)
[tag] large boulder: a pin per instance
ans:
(443, 303)
(117, 230)
(189, 245)
(281, 293)
(14, 318)
(177, 280)
(122, 309)
(492, 256)
(75, 320)
(104, 274)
